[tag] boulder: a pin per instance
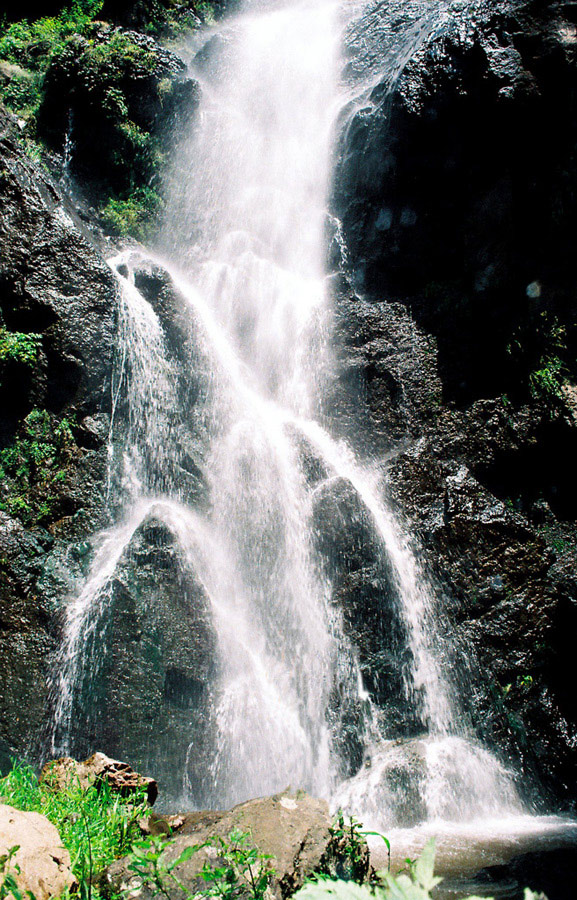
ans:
(119, 776)
(41, 864)
(293, 829)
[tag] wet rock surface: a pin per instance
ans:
(53, 284)
(453, 186)
(148, 698)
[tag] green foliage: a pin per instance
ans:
(545, 383)
(18, 347)
(348, 839)
(132, 215)
(349, 848)
(30, 45)
(33, 467)
(96, 826)
(8, 884)
(539, 351)
(168, 18)
(112, 61)
(239, 871)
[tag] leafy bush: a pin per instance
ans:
(8, 884)
(160, 17)
(540, 353)
(31, 45)
(545, 383)
(96, 826)
(34, 466)
(133, 215)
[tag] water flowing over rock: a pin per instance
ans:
(311, 635)
(331, 542)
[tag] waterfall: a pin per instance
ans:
(243, 245)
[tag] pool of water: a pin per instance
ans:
(492, 857)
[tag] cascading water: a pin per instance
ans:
(244, 244)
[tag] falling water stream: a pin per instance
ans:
(243, 243)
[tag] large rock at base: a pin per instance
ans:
(293, 829)
(119, 776)
(43, 862)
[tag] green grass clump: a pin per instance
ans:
(96, 825)
(34, 466)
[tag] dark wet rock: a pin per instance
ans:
(504, 593)
(364, 590)
(147, 699)
(454, 189)
(294, 829)
(387, 368)
(455, 177)
(54, 284)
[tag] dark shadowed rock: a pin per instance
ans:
(53, 283)
(147, 699)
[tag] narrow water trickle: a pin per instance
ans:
(243, 244)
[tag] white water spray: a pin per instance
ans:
(244, 240)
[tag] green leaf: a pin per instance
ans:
(339, 890)
(425, 867)
(186, 854)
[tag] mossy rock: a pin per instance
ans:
(112, 95)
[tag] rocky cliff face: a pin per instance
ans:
(457, 328)
(55, 405)
(59, 304)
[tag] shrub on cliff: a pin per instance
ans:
(27, 46)
(34, 466)
(107, 100)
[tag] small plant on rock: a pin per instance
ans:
(348, 856)
(239, 869)
(8, 883)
